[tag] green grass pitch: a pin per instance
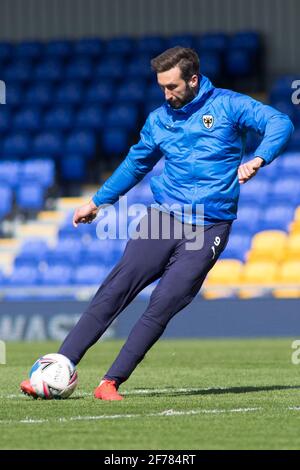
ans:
(198, 394)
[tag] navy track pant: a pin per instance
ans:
(181, 272)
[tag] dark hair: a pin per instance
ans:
(186, 59)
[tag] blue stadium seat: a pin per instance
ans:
(69, 93)
(294, 143)
(154, 92)
(101, 92)
(14, 94)
(6, 200)
(184, 40)
(139, 66)
(277, 217)
(122, 116)
(255, 190)
(248, 218)
(214, 42)
(28, 119)
(151, 45)
(59, 274)
(10, 172)
(90, 117)
(73, 167)
(58, 48)
(285, 190)
(6, 51)
(28, 50)
(115, 141)
(30, 196)
(89, 47)
(19, 70)
(281, 89)
(239, 63)
(289, 164)
(123, 46)
(16, 144)
(32, 251)
(238, 245)
(24, 276)
(59, 118)
(82, 142)
(67, 250)
(79, 69)
(40, 170)
(249, 40)
(131, 91)
(49, 70)
(102, 252)
(210, 64)
(49, 143)
(110, 68)
(89, 274)
(39, 94)
(5, 119)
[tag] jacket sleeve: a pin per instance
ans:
(275, 127)
(140, 159)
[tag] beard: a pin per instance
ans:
(189, 95)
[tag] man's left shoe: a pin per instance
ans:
(27, 389)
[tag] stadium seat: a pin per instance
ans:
(115, 141)
(249, 40)
(293, 247)
(225, 272)
(58, 49)
(184, 40)
(79, 69)
(132, 91)
(269, 245)
(139, 66)
(294, 143)
(89, 274)
(14, 94)
(123, 46)
(99, 92)
(60, 118)
(73, 168)
(285, 190)
(90, 117)
(122, 116)
(70, 92)
(28, 119)
(24, 276)
(5, 119)
(239, 63)
(248, 218)
(40, 170)
(49, 70)
(290, 164)
(6, 200)
(19, 70)
(30, 196)
(289, 278)
(254, 191)
(211, 64)
(9, 172)
(152, 45)
(16, 144)
(110, 68)
(39, 94)
(213, 42)
(260, 277)
(67, 250)
(6, 51)
(238, 245)
(89, 47)
(49, 143)
(81, 142)
(277, 217)
(33, 249)
(28, 50)
(281, 89)
(57, 275)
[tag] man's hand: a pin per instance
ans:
(249, 169)
(85, 214)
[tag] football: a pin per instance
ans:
(53, 376)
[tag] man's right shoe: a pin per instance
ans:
(107, 390)
(27, 389)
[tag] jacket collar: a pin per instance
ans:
(205, 90)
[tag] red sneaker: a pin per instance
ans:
(107, 390)
(27, 389)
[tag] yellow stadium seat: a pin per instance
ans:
(257, 276)
(268, 245)
(293, 247)
(289, 279)
(225, 272)
(297, 214)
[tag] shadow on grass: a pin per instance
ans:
(209, 391)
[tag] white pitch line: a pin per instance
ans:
(128, 416)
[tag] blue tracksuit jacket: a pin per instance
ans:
(203, 144)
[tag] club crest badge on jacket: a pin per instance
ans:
(208, 120)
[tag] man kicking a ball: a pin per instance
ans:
(200, 131)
